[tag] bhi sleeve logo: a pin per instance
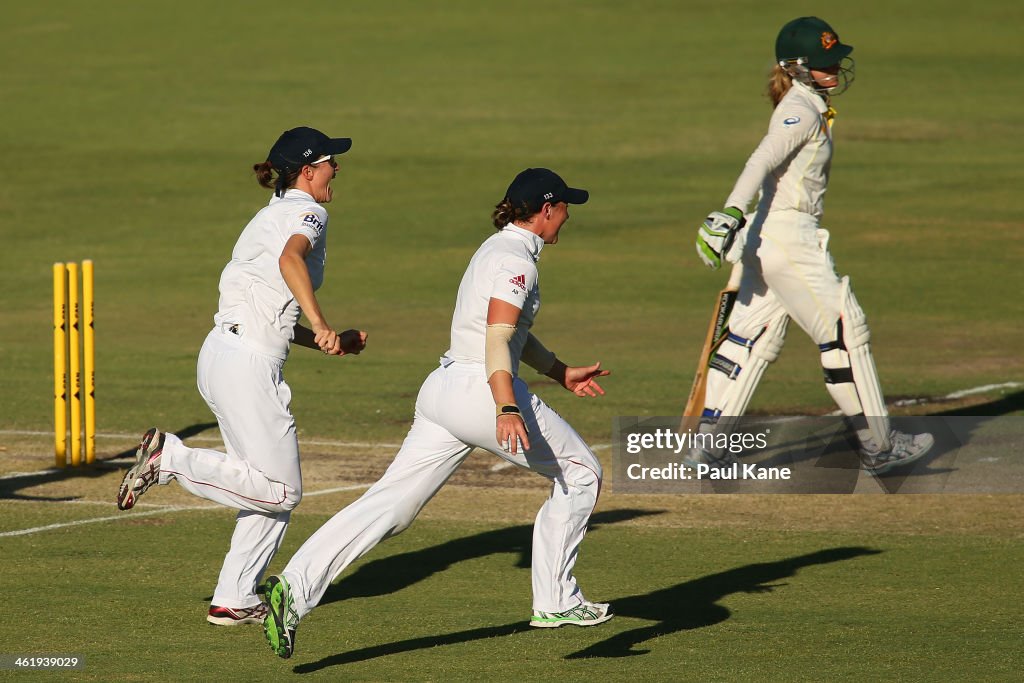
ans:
(311, 220)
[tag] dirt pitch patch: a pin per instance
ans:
(478, 492)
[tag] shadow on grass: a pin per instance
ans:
(685, 606)
(390, 574)
(952, 434)
(694, 604)
(1011, 403)
(834, 454)
(957, 433)
(9, 488)
(838, 451)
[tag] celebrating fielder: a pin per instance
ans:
(276, 265)
(476, 399)
(787, 270)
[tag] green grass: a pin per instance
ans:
(129, 130)
(449, 600)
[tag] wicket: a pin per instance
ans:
(70, 362)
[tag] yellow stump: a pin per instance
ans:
(60, 406)
(89, 361)
(74, 366)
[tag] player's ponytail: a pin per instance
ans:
(506, 212)
(779, 83)
(264, 174)
(265, 177)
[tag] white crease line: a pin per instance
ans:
(211, 439)
(338, 489)
(926, 400)
(76, 501)
(219, 440)
(162, 510)
(93, 520)
(958, 394)
(983, 389)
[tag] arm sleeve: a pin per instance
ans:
(496, 352)
(311, 223)
(788, 131)
(536, 355)
(513, 281)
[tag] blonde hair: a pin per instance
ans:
(779, 83)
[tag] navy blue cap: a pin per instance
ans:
(300, 146)
(535, 186)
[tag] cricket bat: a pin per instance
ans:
(717, 329)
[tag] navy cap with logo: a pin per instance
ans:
(535, 186)
(300, 146)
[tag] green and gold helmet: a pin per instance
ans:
(811, 42)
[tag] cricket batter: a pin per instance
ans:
(276, 266)
(475, 399)
(788, 272)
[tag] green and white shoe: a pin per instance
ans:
(282, 619)
(584, 614)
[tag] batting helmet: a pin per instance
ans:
(810, 42)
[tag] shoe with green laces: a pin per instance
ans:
(282, 619)
(584, 614)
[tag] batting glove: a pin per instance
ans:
(716, 235)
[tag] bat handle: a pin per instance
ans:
(735, 276)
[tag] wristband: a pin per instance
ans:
(507, 409)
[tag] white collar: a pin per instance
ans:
(532, 239)
(292, 193)
(811, 94)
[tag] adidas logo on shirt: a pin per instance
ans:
(519, 281)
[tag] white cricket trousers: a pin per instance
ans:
(259, 474)
(788, 273)
(454, 414)
(788, 270)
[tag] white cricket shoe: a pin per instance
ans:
(231, 616)
(145, 472)
(906, 448)
(701, 456)
(584, 614)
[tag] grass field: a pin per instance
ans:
(129, 129)
(844, 588)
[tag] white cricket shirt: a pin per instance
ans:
(253, 293)
(791, 165)
(505, 268)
